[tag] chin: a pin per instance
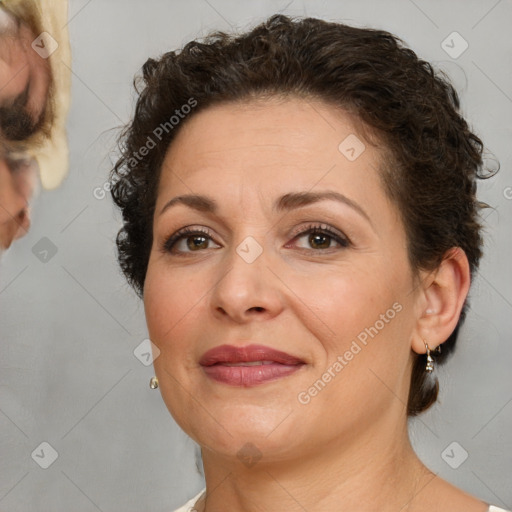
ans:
(229, 431)
(249, 448)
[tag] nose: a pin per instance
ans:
(247, 291)
(14, 213)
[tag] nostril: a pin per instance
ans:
(22, 217)
(23, 222)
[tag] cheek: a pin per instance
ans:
(343, 302)
(175, 303)
(169, 298)
(363, 319)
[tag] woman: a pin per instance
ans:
(35, 81)
(300, 220)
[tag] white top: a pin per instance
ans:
(189, 506)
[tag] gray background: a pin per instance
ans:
(69, 326)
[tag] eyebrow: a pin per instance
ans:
(287, 202)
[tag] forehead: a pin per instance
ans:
(292, 122)
(292, 139)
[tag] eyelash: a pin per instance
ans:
(320, 229)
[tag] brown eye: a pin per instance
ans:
(197, 242)
(322, 238)
(319, 241)
(188, 240)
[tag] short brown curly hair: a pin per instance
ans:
(414, 111)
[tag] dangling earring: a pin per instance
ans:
(430, 362)
(153, 383)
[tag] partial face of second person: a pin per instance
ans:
(307, 295)
(24, 85)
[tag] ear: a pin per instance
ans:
(443, 294)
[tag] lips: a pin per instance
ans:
(249, 365)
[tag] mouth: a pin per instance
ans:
(249, 365)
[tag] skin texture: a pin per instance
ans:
(17, 184)
(348, 448)
(23, 73)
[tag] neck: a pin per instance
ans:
(375, 472)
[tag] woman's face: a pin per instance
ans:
(24, 76)
(340, 304)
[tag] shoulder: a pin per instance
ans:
(189, 506)
(442, 495)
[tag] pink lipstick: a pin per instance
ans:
(249, 365)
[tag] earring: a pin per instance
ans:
(153, 383)
(430, 362)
